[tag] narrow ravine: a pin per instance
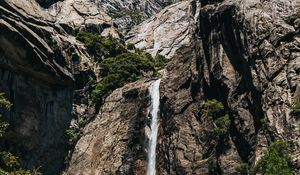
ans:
(154, 93)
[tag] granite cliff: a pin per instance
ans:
(244, 54)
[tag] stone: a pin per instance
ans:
(41, 67)
(165, 32)
(243, 53)
(75, 15)
(114, 142)
(127, 14)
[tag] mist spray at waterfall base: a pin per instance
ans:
(154, 93)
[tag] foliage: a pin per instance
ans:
(295, 110)
(127, 64)
(116, 71)
(131, 46)
(134, 15)
(215, 109)
(9, 163)
(3, 124)
(117, 65)
(4, 102)
(101, 47)
(222, 129)
(73, 135)
(8, 160)
(160, 61)
(275, 161)
(212, 107)
(242, 169)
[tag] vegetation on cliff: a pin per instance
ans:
(215, 109)
(295, 110)
(9, 163)
(276, 160)
(133, 14)
(101, 47)
(119, 63)
(3, 124)
(119, 70)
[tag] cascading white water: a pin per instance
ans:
(154, 93)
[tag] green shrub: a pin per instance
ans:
(215, 109)
(160, 61)
(126, 64)
(4, 102)
(8, 160)
(9, 164)
(73, 135)
(134, 15)
(131, 46)
(117, 65)
(3, 124)
(222, 129)
(295, 110)
(102, 47)
(212, 107)
(275, 161)
(119, 70)
(242, 169)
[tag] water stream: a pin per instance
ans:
(154, 93)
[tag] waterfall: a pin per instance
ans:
(154, 93)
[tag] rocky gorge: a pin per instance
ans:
(241, 56)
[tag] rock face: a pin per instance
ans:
(165, 32)
(245, 54)
(46, 3)
(252, 54)
(41, 65)
(126, 14)
(75, 15)
(115, 141)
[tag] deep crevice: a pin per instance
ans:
(228, 34)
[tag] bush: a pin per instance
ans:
(242, 169)
(117, 71)
(73, 135)
(9, 164)
(3, 124)
(212, 107)
(275, 161)
(106, 86)
(4, 102)
(130, 46)
(126, 64)
(8, 160)
(215, 109)
(160, 61)
(295, 110)
(117, 65)
(99, 46)
(222, 129)
(134, 15)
